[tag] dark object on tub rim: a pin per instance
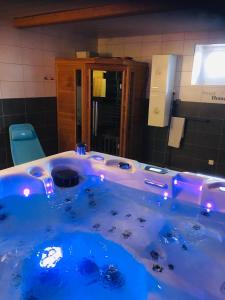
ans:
(65, 177)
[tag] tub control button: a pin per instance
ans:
(124, 166)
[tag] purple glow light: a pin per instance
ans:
(102, 177)
(175, 182)
(200, 188)
(48, 184)
(165, 195)
(26, 192)
(209, 205)
(98, 157)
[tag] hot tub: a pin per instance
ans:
(125, 230)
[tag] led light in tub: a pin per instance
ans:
(97, 157)
(175, 182)
(222, 188)
(165, 195)
(49, 187)
(209, 207)
(102, 177)
(50, 257)
(26, 192)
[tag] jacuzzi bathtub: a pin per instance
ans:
(119, 234)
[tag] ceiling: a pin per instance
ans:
(175, 21)
(155, 23)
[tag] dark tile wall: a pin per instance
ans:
(40, 112)
(204, 139)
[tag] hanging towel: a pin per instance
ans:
(176, 132)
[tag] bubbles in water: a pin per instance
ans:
(88, 268)
(170, 234)
(112, 277)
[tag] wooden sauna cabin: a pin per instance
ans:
(101, 102)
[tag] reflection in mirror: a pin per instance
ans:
(105, 111)
(78, 106)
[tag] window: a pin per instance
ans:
(209, 65)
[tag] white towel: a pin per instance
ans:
(176, 132)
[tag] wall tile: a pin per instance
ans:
(10, 36)
(190, 92)
(189, 46)
(33, 73)
(34, 89)
(32, 57)
(11, 72)
(132, 49)
(49, 58)
(173, 47)
(187, 63)
(14, 107)
(151, 38)
(50, 88)
(150, 48)
(196, 35)
(132, 39)
(12, 89)
(10, 54)
(185, 79)
(173, 36)
(31, 40)
(116, 50)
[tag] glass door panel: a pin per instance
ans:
(106, 111)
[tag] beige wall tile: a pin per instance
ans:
(150, 48)
(173, 36)
(12, 89)
(203, 35)
(116, 50)
(132, 49)
(185, 79)
(32, 57)
(189, 46)
(10, 54)
(187, 63)
(50, 88)
(11, 72)
(31, 40)
(33, 73)
(173, 47)
(34, 89)
(49, 58)
(151, 38)
(190, 93)
(10, 36)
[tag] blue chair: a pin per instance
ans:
(24, 144)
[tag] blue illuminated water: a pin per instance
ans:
(90, 266)
(103, 241)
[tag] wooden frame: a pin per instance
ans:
(95, 12)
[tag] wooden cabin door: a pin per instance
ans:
(69, 105)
